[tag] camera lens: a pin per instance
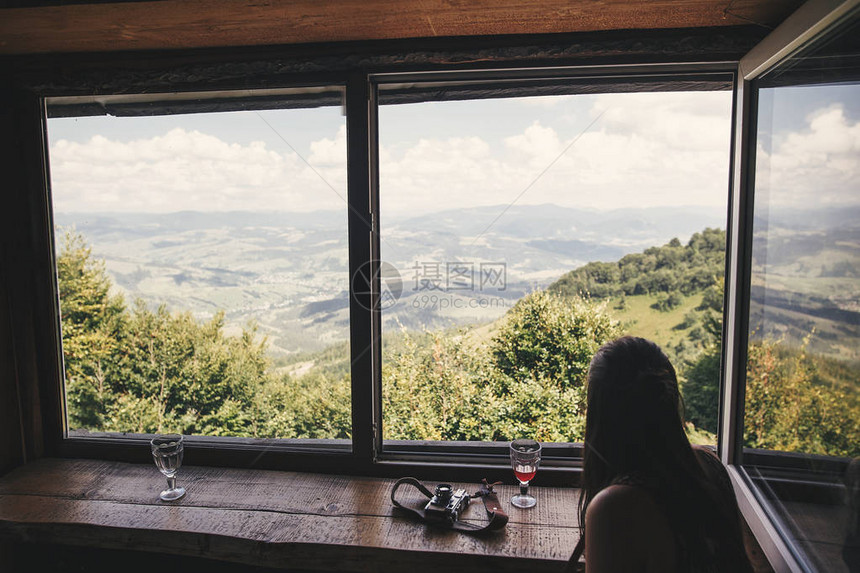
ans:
(443, 491)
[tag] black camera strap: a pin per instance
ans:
(497, 517)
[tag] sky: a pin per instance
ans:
(586, 151)
(808, 151)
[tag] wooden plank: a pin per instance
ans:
(181, 24)
(270, 518)
(11, 427)
(27, 275)
(260, 490)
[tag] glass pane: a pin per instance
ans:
(203, 270)
(802, 411)
(520, 233)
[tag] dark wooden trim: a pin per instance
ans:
(184, 24)
(145, 105)
(471, 462)
(31, 330)
(13, 449)
(361, 301)
(551, 87)
(322, 64)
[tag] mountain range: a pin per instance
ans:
(288, 272)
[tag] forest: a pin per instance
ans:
(132, 368)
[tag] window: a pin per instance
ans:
(525, 223)
(801, 428)
(206, 249)
(202, 264)
(795, 427)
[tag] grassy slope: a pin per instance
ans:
(639, 319)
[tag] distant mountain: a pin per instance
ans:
(623, 226)
(150, 224)
(288, 272)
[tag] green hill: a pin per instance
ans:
(663, 293)
(672, 268)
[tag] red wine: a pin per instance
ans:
(525, 473)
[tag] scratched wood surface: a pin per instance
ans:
(206, 23)
(273, 519)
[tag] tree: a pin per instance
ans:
(701, 390)
(666, 302)
(555, 336)
(789, 406)
(185, 376)
(528, 381)
(316, 405)
(672, 268)
(150, 371)
(92, 320)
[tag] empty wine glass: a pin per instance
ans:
(525, 458)
(167, 452)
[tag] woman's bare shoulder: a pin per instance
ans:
(617, 497)
(622, 502)
(712, 466)
(626, 516)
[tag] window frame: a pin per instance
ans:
(556, 456)
(369, 455)
(811, 22)
(664, 52)
(321, 454)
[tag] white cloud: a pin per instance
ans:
(542, 101)
(330, 152)
(646, 149)
(190, 170)
(820, 162)
(436, 174)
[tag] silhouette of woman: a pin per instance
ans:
(650, 501)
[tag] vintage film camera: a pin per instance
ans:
(446, 505)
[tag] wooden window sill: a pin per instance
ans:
(272, 519)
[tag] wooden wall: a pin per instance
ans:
(25, 276)
(178, 24)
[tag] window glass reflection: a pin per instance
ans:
(802, 409)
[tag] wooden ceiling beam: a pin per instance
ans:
(183, 24)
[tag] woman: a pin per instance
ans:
(650, 501)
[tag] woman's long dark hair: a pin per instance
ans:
(634, 433)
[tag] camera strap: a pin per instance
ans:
(497, 517)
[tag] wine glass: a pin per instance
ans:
(525, 458)
(167, 452)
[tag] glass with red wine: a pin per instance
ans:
(525, 459)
